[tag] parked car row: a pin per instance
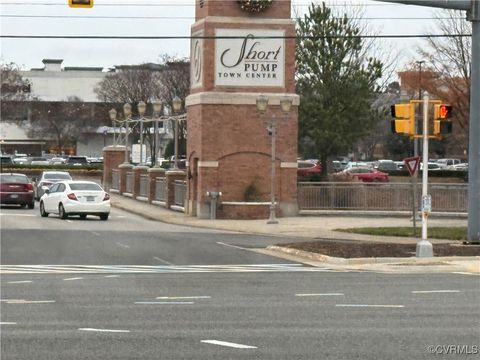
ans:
(390, 165)
(70, 160)
(57, 193)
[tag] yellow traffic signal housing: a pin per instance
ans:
(80, 3)
(404, 122)
(441, 125)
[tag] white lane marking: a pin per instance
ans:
(112, 276)
(326, 294)
(104, 330)
(70, 221)
(232, 246)
(7, 300)
(30, 301)
(95, 233)
(123, 245)
(7, 323)
(72, 279)
(121, 217)
(182, 297)
(228, 344)
(465, 273)
(164, 303)
(434, 291)
(163, 261)
(117, 269)
(20, 282)
(367, 305)
(26, 215)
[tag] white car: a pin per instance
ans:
(46, 179)
(81, 198)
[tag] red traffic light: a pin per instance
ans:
(443, 112)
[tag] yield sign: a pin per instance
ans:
(412, 164)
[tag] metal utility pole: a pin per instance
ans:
(424, 247)
(473, 14)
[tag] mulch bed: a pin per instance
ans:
(356, 249)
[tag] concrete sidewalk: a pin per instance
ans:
(316, 227)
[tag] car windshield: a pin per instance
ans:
(85, 186)
(57, 176)
(77, 160)
(15, 179)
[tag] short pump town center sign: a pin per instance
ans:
(245, 57)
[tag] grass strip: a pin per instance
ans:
(448, 233)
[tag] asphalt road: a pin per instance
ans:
(237, 305)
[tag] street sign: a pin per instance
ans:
(427, 204)
(412, 164)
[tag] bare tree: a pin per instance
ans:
(63, 122)
(15, 90)
(147, 82)
(450, 61)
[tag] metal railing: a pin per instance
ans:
(180, 192)
(160, 189)
(129, 182)
(374, 196)
(115, 179)
(144, 186)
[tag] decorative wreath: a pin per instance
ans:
(254, 6)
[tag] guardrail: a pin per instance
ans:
(115, 180)
(144, 186)
(161, 189)
(379, 196)
(180, 192)
(129, 182)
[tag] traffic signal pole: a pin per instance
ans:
(424, 247)
(473, 14)
(474, 136)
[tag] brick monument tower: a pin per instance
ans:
(240, 50)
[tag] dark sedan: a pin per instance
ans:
(16, 189)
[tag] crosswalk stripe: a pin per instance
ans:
(125, 269)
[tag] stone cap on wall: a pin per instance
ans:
(239, 98)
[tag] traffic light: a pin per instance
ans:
(80, 3)
(404, 122)
(441, 125)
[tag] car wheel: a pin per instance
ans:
(31, 205)
(104, 216)
(23, 205)
(61, 212)
(83, 216)
(43, 213)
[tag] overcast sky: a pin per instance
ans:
(150, 18)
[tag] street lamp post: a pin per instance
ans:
(127, 111)
(156, 118)
(177, 106)
(272, 122)
(141, 111)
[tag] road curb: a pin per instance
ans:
(398, 261)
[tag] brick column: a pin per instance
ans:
(137, 171)
(153, 173)
(171, 177)
(113, 156)
(123, 169)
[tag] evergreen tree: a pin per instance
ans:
(336, 82)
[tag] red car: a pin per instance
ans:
(366, 174)
(306, 168)
(16, 189)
